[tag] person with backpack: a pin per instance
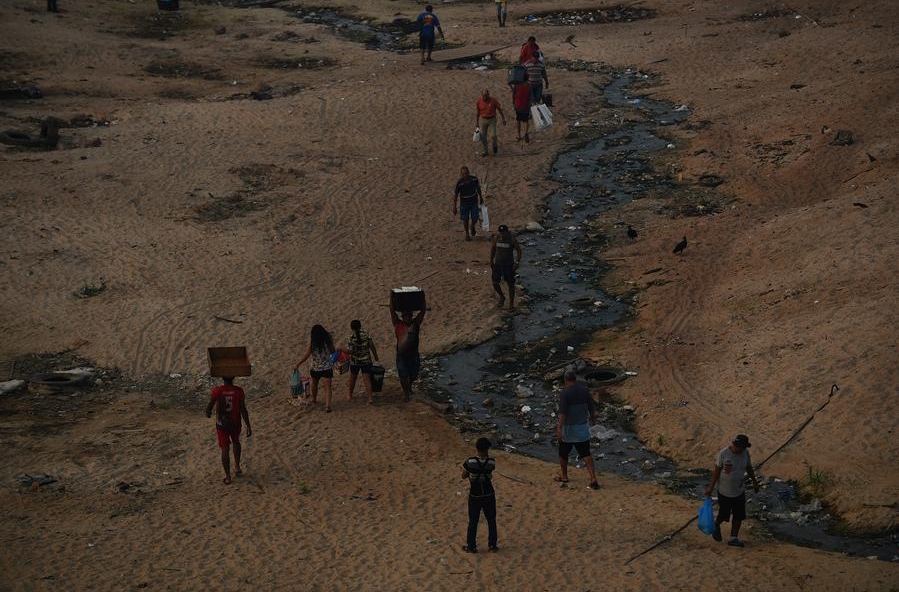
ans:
(481, 496)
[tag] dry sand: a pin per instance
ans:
(197, 204)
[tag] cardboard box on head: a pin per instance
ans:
(228, 362)
(407, 299)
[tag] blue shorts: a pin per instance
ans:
(537, 93)
(426, 42)
(329, 373)
(408, 366)
(469, 210)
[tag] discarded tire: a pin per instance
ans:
(47, 140)
(597, 376)
(55, 382)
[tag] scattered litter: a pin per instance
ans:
(11, 386)
(35, 480)
(602, 433)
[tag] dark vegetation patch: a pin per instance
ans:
(305, 62)
(175, 67)
(692, 201)
(160, 25)
(178, 94)
(231, 206)
(265, 177)
(256, 178)
(291, 37)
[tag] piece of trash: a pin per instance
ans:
(11, 386)
(525, 409)
(35, 480)
(630, 373)
(569, 349)
(601, 433)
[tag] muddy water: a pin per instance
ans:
(497, 387)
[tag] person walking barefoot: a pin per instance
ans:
(503, 264)
(362, 349)
(230, 404)
(320, 348)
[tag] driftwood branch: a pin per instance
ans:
(227, 320)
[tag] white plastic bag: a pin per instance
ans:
(542, 116)
(485, 218)
(477, 135)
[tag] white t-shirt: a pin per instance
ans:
(733, 471)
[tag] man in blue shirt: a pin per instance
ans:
(429, 22)
(577, 412)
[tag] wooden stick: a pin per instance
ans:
(227, 320)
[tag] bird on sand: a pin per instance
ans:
(631, 233)
(679, 248)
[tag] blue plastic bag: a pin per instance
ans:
(706, 521)
(296, 384)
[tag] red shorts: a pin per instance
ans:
(225, 437)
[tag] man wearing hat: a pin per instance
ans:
(505, 256)
(731, 466)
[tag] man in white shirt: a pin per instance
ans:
(731, 466)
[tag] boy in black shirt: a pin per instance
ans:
(481, 497)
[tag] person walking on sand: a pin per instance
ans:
(537, 77)
(521, 100)
(577, 412)
(528, 50)
(469, 197)
(408, 332)
(731, 466)
(502, 10)
(488, 107)
(481, 496)
(505, 257)
(230, 404)
(428, 22)
(362, 349)
(320, 348)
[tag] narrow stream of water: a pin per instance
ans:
(498, 386)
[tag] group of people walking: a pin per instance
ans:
(324, 355)
(577, 410)
(528, 83)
